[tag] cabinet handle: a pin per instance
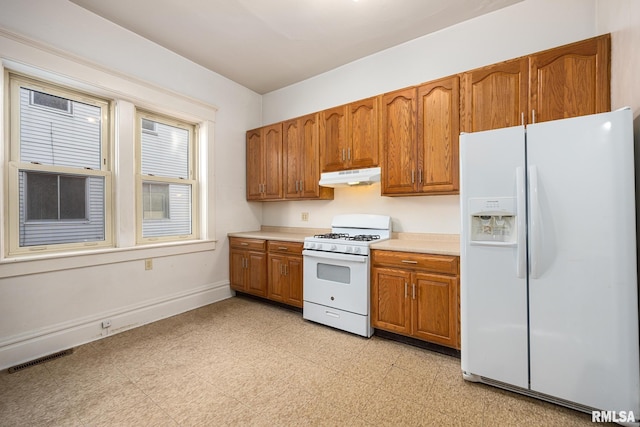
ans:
(282, 248)
(413, 290)
(405, 289)
(301, 186)
(296, 186)
(244, 244)
(420, 176)
(348, 153)
(343, 156)
(408, 261)
(281, 273)
(413, 173)
(522, 119)
(533, 116)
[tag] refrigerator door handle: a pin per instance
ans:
(521, 250)
(534, 218)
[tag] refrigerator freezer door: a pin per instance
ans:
(493, 298)
(583, 286)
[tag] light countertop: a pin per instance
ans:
(437, 244)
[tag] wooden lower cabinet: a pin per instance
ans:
(269, 269)
(248, 266)
(285, 273)
(416, 295)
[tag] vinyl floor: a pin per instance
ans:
(241, 362)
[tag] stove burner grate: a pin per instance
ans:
(364, 237)
(332, 236)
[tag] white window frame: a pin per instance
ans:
(190, 180)
(14, 82)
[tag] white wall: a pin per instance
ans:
(50, 305)
(524, 28)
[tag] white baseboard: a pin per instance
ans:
(28, 346)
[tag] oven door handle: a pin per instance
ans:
(334, 256)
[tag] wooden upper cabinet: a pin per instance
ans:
(333, 138)
(398, 135)
(571, 80)
(362, 133)
(255, 164)
(302, 159)
(438, 135)
(264, 163)
(349, 136)
(567, 81)
(420, 131)
(495, 96)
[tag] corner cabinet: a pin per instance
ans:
(417, 295)
(301, 154)
(248, 265)
(349, 136)
(420, 128)
(285, 272)
(567, 81)
(264, 163)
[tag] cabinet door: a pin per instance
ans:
(277, 280)
(495, 96)
(333, 134)
(237, 271)
(435, 308)
(310, 157)
(257, 275)
(255, 159)
(272, 140)
(362, 151)
(390, 305)
(293, 156)
(294, 280)
(571, 80)
(438, 134)
(399, 142)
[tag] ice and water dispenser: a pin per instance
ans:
(493, 221)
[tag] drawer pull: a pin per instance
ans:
(407, 261)
(244, 244)
(282, 248)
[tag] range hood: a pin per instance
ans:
(350, 177)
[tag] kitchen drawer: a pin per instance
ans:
(250, 244)
(444, 264)
(292, 248)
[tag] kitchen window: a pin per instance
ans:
(166, 179)
(59, 177)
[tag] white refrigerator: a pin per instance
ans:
(549, 291)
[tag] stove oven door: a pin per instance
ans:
(337, 280)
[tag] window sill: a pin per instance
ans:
(25, 265)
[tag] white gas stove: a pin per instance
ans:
(336, 286)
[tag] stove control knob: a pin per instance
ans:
(310, 245)
(356, 250)
(318, 246)
(334, 247)
(349, 249)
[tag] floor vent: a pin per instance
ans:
(39, 361)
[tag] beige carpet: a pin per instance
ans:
(246, 363)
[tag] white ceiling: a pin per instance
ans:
(269, 44)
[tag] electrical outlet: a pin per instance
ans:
(305, 216)
(106, 324)
(148, 264)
